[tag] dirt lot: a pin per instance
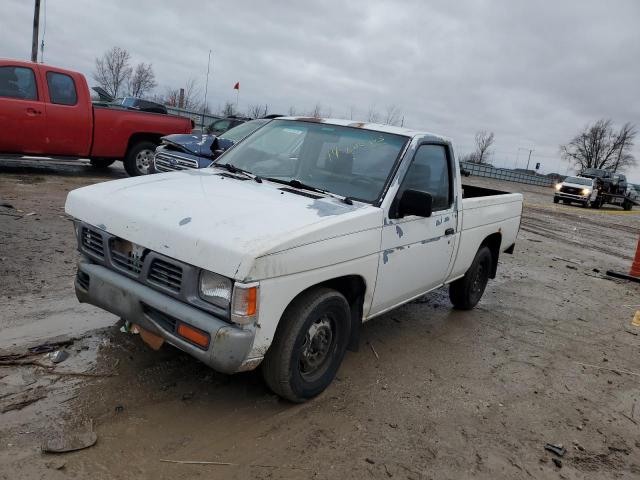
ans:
(549, 355)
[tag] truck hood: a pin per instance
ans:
(577, 185)
(197, 144)
(211, 220)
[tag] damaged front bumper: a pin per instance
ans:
(228, 346)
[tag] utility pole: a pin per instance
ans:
(529, 159)
(206, 89)
(36, 26)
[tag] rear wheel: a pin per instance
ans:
(140, 158)
(466, 292)
(101, 162)
(309, 345)
(627, 205)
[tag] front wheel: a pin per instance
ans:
(101, 162)
(556, 199)
(309, 345)
(140, 158)
(466, 292)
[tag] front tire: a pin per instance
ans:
(466, 292)
(556, 199)
(140, 158)
(309, 345)
(101, 163)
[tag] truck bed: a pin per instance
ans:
(471, 191)
(485, 212)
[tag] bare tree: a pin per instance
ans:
(393, 115)
(142, 81)
(372, 115)
(228, 110)
(257, 110)
(192, 99)
(600, 146)
(292, 111)
(112, 70)
(316, 112)
(484, 140)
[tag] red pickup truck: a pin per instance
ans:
(46, 110)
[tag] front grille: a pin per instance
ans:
(166, 275)
(571, 190)
(92, 241)
(167, 162)
(125, 260)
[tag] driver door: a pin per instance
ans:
(416, 251)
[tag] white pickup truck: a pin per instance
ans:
(278, 252)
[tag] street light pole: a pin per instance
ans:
(36, 26)
(206, 90)
(529, 159)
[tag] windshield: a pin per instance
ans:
(236, 134)
(579, 180)
(350, 162)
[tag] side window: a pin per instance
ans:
(62, 90)
(429, 172)
(18, 82)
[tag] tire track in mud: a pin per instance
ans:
(557, 214)
(542, 228)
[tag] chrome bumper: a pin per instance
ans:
(569, 196)
(160, 314)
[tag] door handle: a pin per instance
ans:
(449, 231)
(33, 111)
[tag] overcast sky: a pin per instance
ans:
(534, 73)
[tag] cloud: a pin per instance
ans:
(533, 72)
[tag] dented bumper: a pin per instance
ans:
(161, 314)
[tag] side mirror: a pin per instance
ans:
(415, 202)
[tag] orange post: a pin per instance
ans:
(635, 266)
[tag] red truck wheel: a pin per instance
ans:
(139, 158)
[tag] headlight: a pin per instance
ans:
(244, 308)
(215, 289)
(586, 191)
(558, 186)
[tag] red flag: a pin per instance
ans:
(236, 86)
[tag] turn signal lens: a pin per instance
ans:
(194, 335)
(244, 306)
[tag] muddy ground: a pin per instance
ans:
(549, 355)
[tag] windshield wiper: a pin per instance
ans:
(233, 169)
(295, 183)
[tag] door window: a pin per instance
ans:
(62, 90)
(429, 172)
(18, 82)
